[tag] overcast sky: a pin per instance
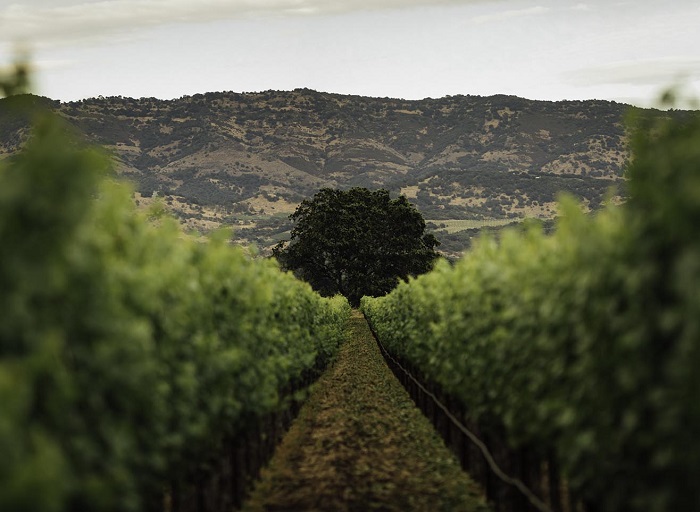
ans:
(627, 51)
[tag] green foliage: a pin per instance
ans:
(585, 342)
(357, 242)
(127, 350)
(16, 82)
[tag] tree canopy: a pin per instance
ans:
(357, 242)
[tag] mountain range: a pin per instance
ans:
(248, 159)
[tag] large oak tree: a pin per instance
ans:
(357, 242)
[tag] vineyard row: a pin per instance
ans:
(580, 347)
(129, 352)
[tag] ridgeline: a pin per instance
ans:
(248, 159)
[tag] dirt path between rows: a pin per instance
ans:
(360, 444)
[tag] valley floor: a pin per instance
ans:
(360, 443)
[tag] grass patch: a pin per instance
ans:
(455, 225)
(360, 443)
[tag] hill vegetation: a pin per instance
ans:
(249, 159)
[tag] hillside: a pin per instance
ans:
(248, 159)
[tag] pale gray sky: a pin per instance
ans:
(628, 51)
